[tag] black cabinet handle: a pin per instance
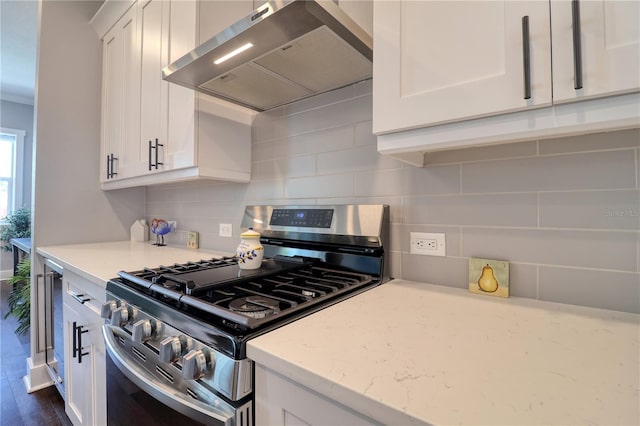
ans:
(113, 158)
(577, 44)
(158, 145)
(74, 345)
(77, 342)
(110, 159)
(150, 148)
(154, 147)
(526, 57)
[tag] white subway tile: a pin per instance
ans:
(321, 100)
(472, 209)
(592, 142)
(586, 249)
(409, 181)
(481, 153)
(619, 291)
(447, 271)
(326, 140)
(355, 159)
(321, 186)
(591, 209)
(598, 170)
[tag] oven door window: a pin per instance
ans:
(128, 404)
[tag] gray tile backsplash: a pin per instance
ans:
(565, 212)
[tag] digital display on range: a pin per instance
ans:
(303, 218)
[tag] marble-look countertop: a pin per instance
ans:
(99, 262)
(412, 353)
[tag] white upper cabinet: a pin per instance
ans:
(120, 98)
(439, 61)
(460, 73)
(606, 49)
(154, 129)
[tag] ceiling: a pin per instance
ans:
(18, 47)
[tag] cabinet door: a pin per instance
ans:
(438, 61)
(120, 96)
(610, 48)
(279, 401)
(153, 18)
(78, 398)
(85, 376)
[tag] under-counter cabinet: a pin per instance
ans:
(444, 67)
(84, 352)
(157, 132)
(280, 401)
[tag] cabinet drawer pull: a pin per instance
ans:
(577, 44)
(526, 57)
(80, 298)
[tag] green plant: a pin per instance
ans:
(17, 225)
(20, 297)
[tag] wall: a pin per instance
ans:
(564, 212)
(68, 205)
(68, 90)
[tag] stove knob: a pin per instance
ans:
(132, 312)
(171, 348)
(120, 316)
(142, 330)
(107, 309)
(194, 364)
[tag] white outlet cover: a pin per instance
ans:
(226, 230)
(417, 237)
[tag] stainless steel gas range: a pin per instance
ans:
(176, 335)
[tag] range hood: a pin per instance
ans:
(292, 50)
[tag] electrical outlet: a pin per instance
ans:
(431, 244)
(226, 230)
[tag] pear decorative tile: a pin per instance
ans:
(490, 277)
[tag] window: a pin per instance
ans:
(11, 150)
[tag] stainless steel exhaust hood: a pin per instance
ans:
(281, 53)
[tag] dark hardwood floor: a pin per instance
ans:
(17, 407)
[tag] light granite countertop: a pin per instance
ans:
(99, 262)
(413, 353)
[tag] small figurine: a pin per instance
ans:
(160, 227)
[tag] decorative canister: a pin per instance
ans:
(250, 251)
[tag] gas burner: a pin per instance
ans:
(255, 306)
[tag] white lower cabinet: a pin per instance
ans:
(280, 401)
(84, 352)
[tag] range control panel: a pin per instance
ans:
(303, 218)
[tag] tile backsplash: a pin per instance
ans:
(564, 212)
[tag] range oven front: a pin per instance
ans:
(176, 335)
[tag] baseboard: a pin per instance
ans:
(37, 377)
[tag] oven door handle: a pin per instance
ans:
(159, 391)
